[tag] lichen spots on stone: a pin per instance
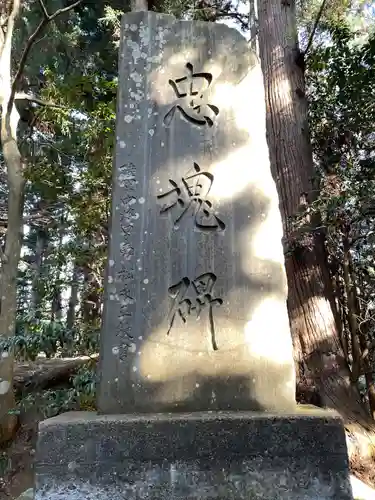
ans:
(136, 77)
(115, 350)
(72, 465)
(136, 52)
(144, 35)
(138, 96)
(161, 36)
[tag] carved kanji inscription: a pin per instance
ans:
(191, 298)
(190, 194)
(192, 103)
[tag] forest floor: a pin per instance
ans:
(17, 460)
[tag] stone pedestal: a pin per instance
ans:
(216, 456)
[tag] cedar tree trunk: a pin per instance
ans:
(318, 350)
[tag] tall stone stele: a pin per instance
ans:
(196, 377)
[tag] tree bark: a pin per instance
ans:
(13, 239)
(362, 337)
(73, 300)
(40, 245)
(56, 306)
(44, 374)
(318, 351)
(352, 313)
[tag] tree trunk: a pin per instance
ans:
(73, 300)
(10, 256)
(363, 338)
(40, 246)
(351, 313)
(91, 300)
(46, 373)
(318, 350)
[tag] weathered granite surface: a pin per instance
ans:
(218, 455)
(195, 312)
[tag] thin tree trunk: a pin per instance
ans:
(318, 349)
(253, 26)
(41, 240)
(91, 300)
(10, 256)
(137, 5)
(352, 313)
(56, 306)
(365, 363)
(73, 300)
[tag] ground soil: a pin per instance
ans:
(19, 474)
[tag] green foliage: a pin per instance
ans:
(341, 91)
(79, 396)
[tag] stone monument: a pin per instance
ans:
(196, 377)
(196, 316)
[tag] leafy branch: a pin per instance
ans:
(47, 18)
(317, 20)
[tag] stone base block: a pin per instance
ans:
(216, 456)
